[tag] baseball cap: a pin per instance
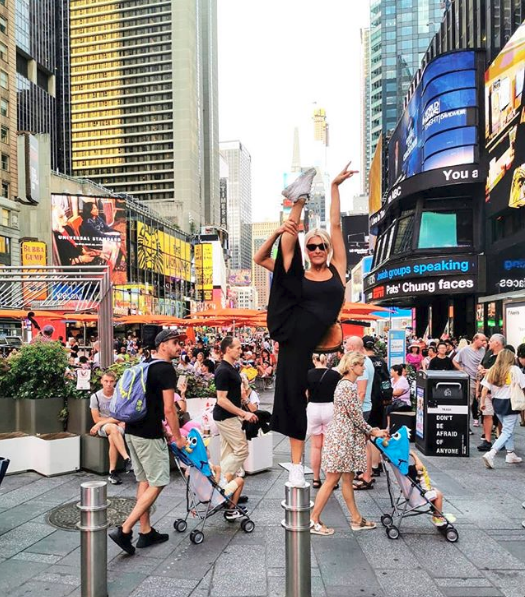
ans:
(368, 342)
(166, 335)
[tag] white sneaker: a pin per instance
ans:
(512, 458)
(488, 459)
(296, 476)
(240, 473)
(301, 187)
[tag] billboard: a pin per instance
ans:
(240, 277)
(438, 128)
(34, 252)
(90, 231)
(356, 239)
(375, 178)
(162, 252)
(505, 126)
(204, 272)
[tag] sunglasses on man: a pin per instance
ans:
(312, 247)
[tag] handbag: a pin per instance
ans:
(332, 340)
(517, 397)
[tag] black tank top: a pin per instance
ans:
(324, 299)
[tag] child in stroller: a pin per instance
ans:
(416, 495)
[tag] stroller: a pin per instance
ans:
(204, 497)
(411, 499)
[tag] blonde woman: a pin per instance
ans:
(303, 305)
(498, 381)
(321, 387)
(344, 451)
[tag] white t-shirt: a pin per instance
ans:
(254, 398)
(503, 392)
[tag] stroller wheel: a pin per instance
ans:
(392, 532)
(196, 537)
(386, 520)
(180, 525)
(247, 526)
(452, 535)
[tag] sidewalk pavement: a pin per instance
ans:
(487, 561)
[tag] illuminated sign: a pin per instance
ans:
(505, 126)
(515, 323)
(438, 129)
(34, 253)
(204, 272)
(162, 252)
(411, 288)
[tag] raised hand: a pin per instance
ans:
(344, 175)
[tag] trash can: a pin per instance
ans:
(442, 413)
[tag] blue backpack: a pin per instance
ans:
(129, 398)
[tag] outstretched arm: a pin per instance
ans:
(263, 257)
(339, 257)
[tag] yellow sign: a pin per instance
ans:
(163, 253)
(34, 252)
(204, 271)
(376, 172)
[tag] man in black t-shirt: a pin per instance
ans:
(441, 362)
(228, 412)
(147, 445)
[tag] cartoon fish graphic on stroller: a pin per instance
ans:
(205, 495)
(414, 495)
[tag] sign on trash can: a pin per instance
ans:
(442, 413)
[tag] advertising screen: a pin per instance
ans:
(90, 231)
(505, 126)
(356, 239)
(162, 252)
(438, 127)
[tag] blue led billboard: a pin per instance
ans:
(438, 128)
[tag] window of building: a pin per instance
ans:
(445, 229)
(5, 189)
(3, 25)
(5, 250)
(4, 107)
(405, 233)
(4, 134)
(3, 51)
(5, 217)
(5, 162)
(4, 79)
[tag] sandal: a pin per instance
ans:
(363, 525)
(364, 485)
(318, 528)
(317, 483)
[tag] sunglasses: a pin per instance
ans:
(312, 247)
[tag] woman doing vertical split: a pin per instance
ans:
(302, 306)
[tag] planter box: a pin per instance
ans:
(260, 457)
(56, 453)
(94, 452)
(39, 416)
(7, 415)
(79, 419)
(18, 448)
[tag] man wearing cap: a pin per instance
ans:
(147, 445)
(45, 336)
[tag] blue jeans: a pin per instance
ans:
(506, 437)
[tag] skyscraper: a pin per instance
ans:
(260, 276)
(144, 103)
(400, 33)
(366, 149)
(239, 210)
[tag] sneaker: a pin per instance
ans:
(114, 479)
(512, 458)
(151, 538)
(488, 459)
(128, 466)
(240, 473)
(470, 432)
(439, 521)
(123, 540)
(301, 187)
(475, 423)
(233, 514)
(485, 446)
(296, 476)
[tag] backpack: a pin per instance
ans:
(382, 391)
(129, 398)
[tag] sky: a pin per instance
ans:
(278, 60)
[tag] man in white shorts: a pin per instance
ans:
(106, 426)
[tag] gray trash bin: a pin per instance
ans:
(442, 413)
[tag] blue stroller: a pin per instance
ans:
(412, 499)
(204, 496)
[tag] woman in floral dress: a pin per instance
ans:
(344, 451)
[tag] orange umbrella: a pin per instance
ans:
(363, 307)
(233, 313)
(22, 313)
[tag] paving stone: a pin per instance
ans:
(123, 585)
(471, 592)
(59, 574)
(486, 554)
(23, 537)
(19, 515)
(14, 573)
(59, 543)
(510, 582)
(231, 578)
(37, 589)
(480, 581)
(381, 552)
(155, 586)
(404, 583)
(516, 548)
(27, 556)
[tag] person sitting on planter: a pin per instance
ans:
(106, 426)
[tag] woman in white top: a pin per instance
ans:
(249, 397)
(498, 381)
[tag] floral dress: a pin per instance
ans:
(344, 448)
